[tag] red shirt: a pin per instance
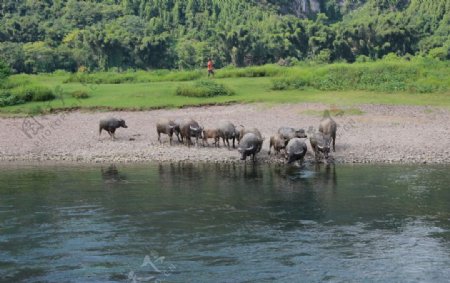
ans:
(210, 65)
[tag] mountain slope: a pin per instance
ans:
(42, 36)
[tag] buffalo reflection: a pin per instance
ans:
(112, 175)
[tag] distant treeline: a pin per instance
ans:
(43, 36)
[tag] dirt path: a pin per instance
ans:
(382, 134)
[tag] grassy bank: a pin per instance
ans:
(385, 82)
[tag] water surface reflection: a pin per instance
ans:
(224, 223)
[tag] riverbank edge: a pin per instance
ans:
(377, 134)
(45, 160)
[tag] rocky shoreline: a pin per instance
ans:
(376, 134)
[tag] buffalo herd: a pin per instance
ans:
(289, 142)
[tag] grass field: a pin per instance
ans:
(249, 85)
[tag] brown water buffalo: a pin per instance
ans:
(328, 127)
(110, 125)
(277, 142)
(211, 134)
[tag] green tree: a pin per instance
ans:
(5, 71)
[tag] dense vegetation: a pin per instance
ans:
(47, 35)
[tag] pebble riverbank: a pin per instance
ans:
(381, 134)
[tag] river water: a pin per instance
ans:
(224, 223)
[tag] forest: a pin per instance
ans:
(100, 35)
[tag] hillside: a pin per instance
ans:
(43, 36)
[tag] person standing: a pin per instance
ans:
(210, 67)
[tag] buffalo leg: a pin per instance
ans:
(334, 141)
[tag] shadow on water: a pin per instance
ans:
(301, 193)
(112, 175)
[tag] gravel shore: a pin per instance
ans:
(382, 134)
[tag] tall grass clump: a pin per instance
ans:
(33, 93)
(18, 91)
(101, 78)
(381, 76)
(251, 72)
(204, 88)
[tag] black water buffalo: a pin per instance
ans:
(328, 127)
(110, 125)
(250, 145)
(177, 129)
(320, 143)
(165, 126)
(296, 150)
(190, 128)
(288, 133)
(227, 131)
(244, 131)
(254, 131)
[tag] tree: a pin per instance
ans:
(5, 71)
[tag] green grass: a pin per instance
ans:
(204, 88)
(249, 85)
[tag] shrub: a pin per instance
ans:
(323, 57)
(80, 94)
(441, 53)
(33, 93)
(8, 99)
(204, 88)
(281, 84)
(82, 69)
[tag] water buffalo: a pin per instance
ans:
(254, 131)
(165, 126)
(177, 129)
(277, 142)
(244, 131)
(328, 127)
(110, 125)
(250, 145)
(296, 150)
(288, 133)
(190, 128)
(211, 134)
(320, 143)
(227, 131)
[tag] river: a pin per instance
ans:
(224, 223)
